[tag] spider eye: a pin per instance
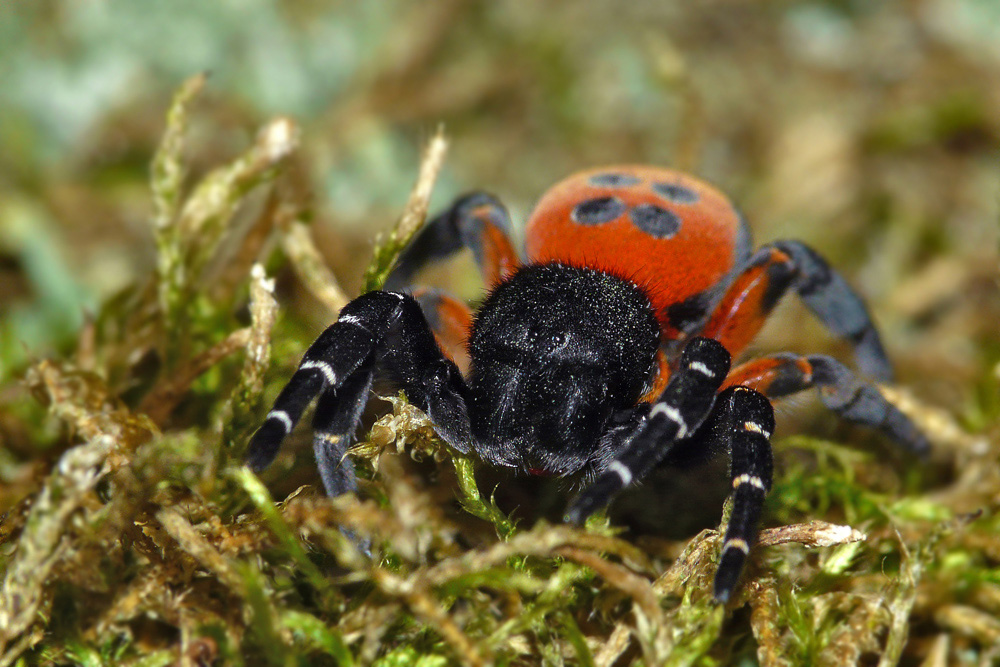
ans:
(556, 343)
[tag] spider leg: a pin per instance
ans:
(742, 422)
(431, 381)
(477, 221)
(839, 388)
(676, 414)
(450, 320)
(338, 366)
(334, 422)
(784, 265)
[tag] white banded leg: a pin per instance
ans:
(327, 364)
(745, 423)
(334, 422)
(677, 413)
(384, 327)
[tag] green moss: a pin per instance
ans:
(133, 536)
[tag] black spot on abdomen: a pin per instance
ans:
(658, 222)
(676, 194)
(598, 211)
(613, 180)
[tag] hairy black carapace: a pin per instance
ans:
(557, 351)
(605, 353)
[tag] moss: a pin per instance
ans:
(198, 561)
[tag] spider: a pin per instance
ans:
(603, 354)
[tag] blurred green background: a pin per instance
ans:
(869, 129)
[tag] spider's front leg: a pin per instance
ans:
(676, 414)
(340, 366)
(741, 423)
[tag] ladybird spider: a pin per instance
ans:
(605, 353)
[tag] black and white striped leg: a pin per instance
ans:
(287, 411)
(838, 306)
(676, 414)
(339, 351)
(338, 366)
(742, 421)
(334, 422)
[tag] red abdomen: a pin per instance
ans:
(671, 234)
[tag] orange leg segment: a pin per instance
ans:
(659, 382)
(450, 321)
(774, 376)
(839, 388)
(477, 221)
(791, 265)
(494, 251)
(749, 300)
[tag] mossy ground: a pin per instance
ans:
(131, 535)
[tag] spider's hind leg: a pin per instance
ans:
(477, 221)
(840, 390)
(791, 265)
